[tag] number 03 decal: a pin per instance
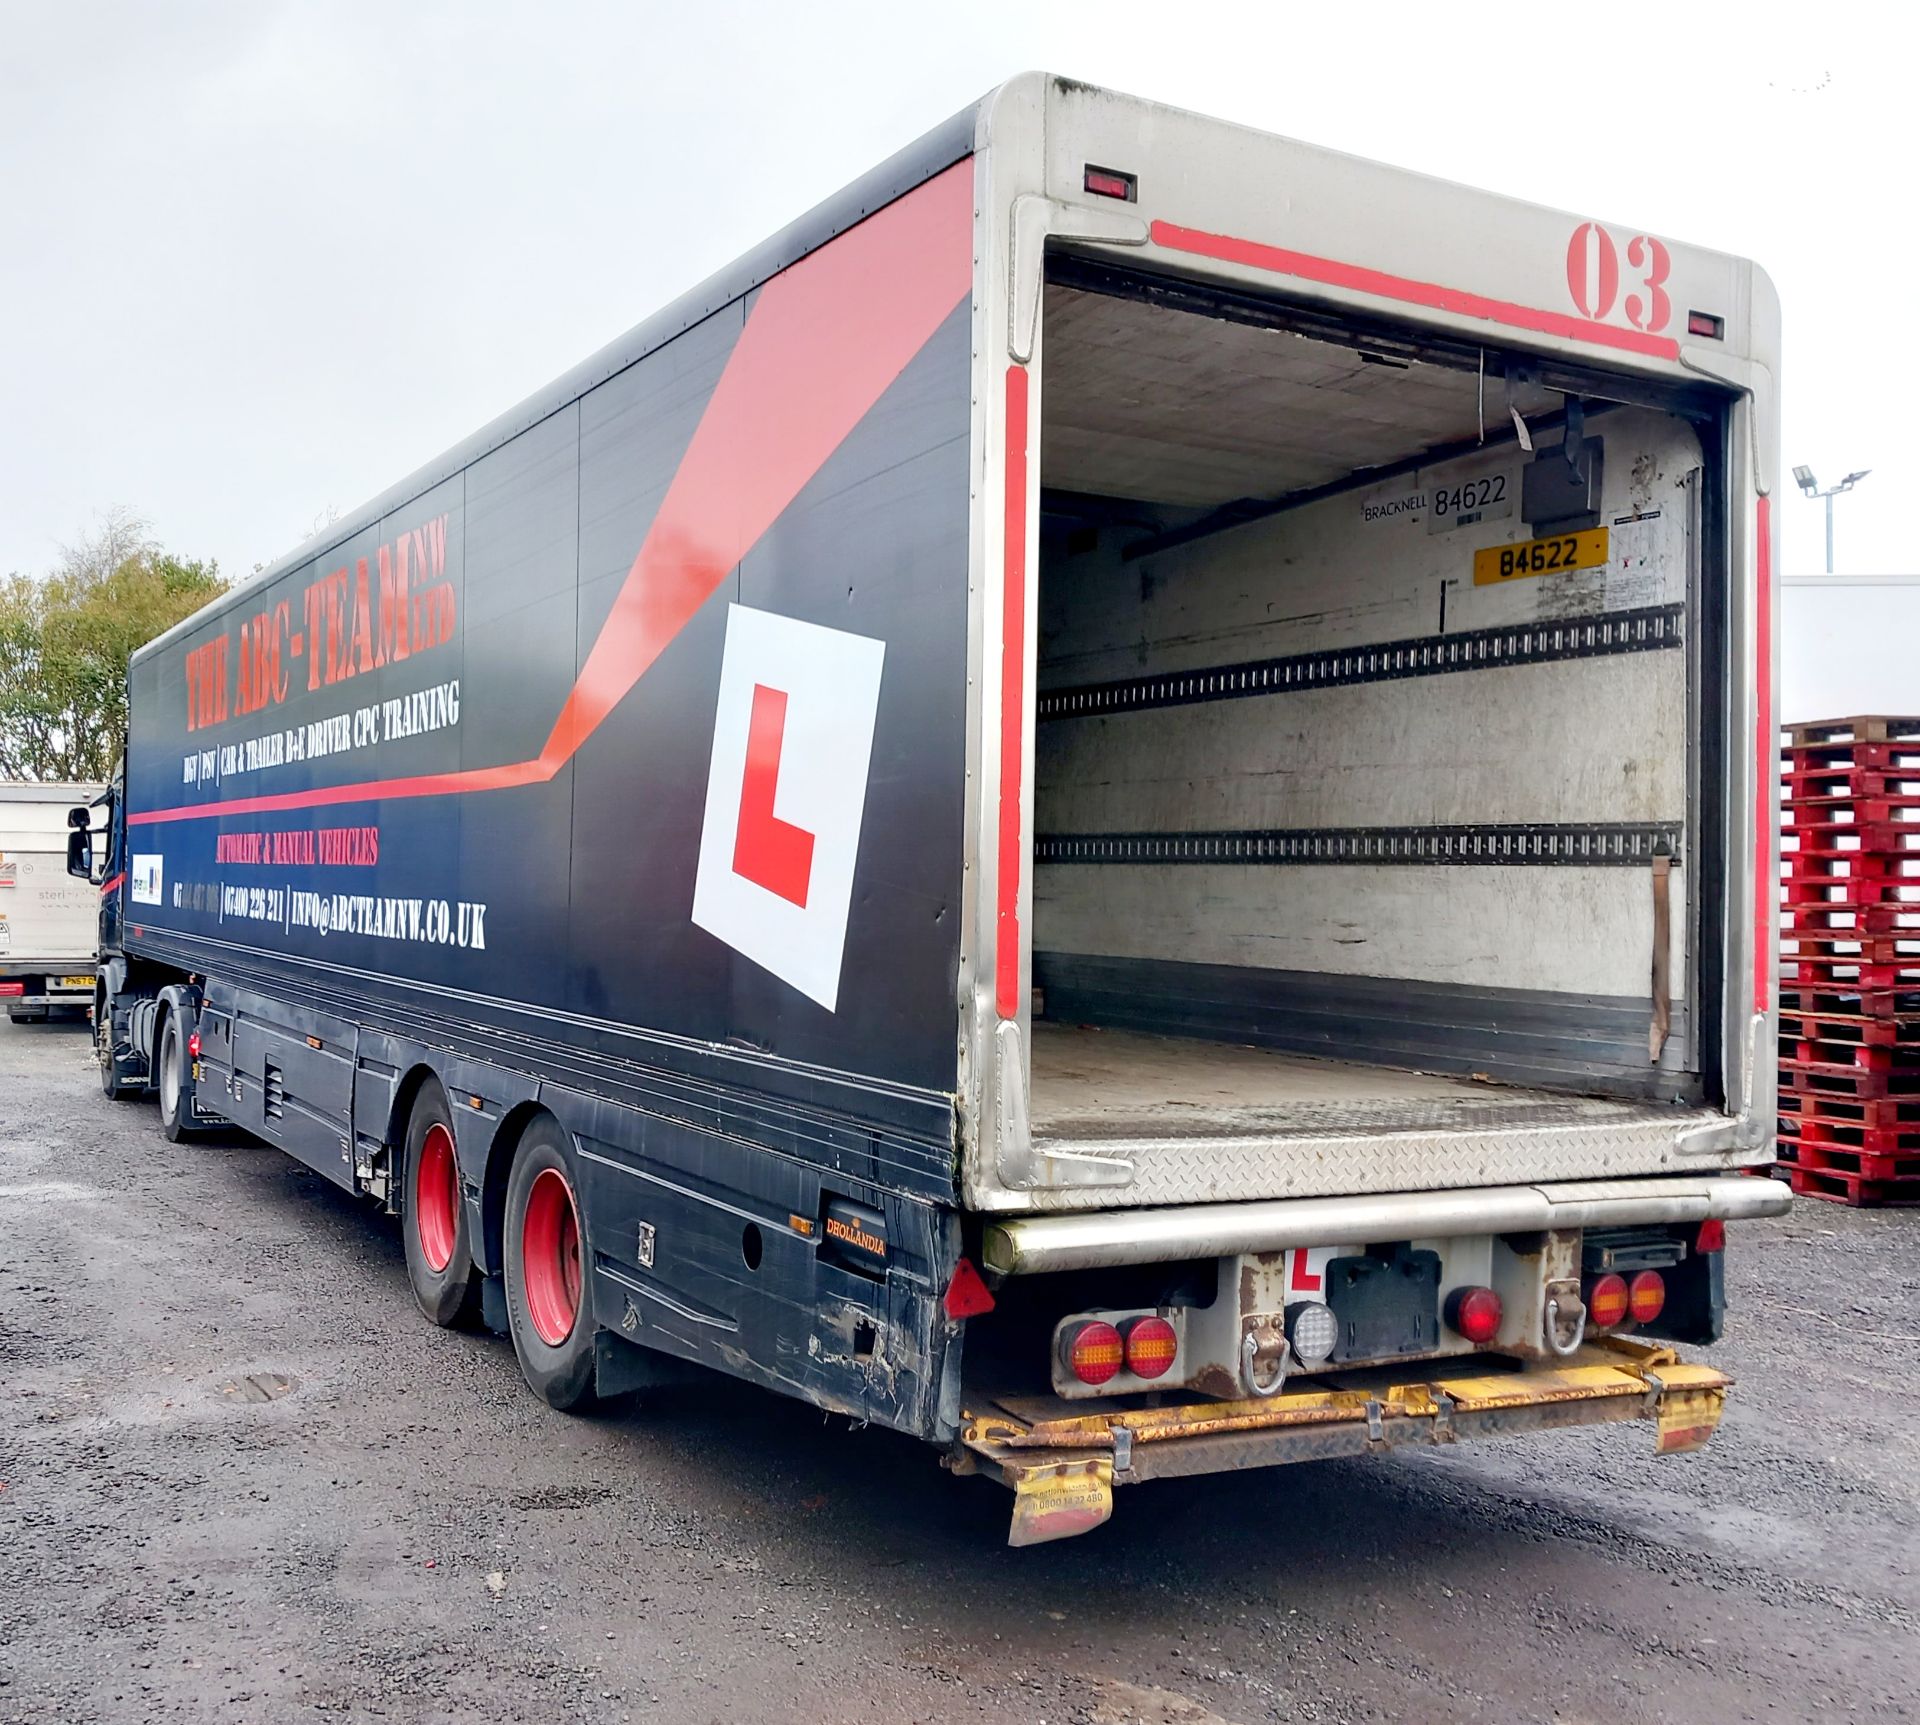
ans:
(1593, 277)
(1644, 252)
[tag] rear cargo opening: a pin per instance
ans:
(1367, 754)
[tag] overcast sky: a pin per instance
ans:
(259, 258)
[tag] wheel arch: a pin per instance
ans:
(418, 1078)
(400, 1116)
(493, 1191)
(176, 999)
(109, 982)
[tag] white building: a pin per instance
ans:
(1849, 644)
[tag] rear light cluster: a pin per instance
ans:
(10, 989)
(1151, 1346)
(1613, 1299)
(1606, 1301)
(1096, 1352)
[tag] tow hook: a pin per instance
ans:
(1265, 1342)
(1565, 1312)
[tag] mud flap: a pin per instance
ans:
(1058, 1500)
(1687, 1417)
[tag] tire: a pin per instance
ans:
(549, 1301)
(112, 1086)
(174, 1083)
(435, 1222)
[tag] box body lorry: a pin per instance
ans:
(1112, 805)
(49, 922)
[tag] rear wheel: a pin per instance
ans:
(176, 1103)
(112, 1085)
(549, 1303)
(434, 1217)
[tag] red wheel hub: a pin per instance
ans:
(550, 1257)
(436, 1195)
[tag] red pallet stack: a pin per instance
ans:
(1850, 960)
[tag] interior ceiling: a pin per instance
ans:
(1169, 407)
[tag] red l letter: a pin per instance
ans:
(768, 851)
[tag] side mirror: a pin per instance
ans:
(80, 853)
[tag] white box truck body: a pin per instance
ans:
(49, 922)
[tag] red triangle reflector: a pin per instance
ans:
(967, 1295)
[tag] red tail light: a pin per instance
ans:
(193, 1045)
(1646, 1295)
(1151, 1345)
(1607, 1302)
(9, 989)
(1094, 1352)
(1712, 1237)
(1474, 1313)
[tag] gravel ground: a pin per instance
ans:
(405, 1532)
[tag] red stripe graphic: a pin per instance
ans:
(109, 884)
(1013, 699)
(1766, 765)
(822, 343)
(1330, 273)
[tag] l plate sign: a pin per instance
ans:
(786, 791)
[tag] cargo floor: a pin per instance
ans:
(1204, 1121)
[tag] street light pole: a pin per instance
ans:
(1803, 477)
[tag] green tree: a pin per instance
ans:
(65, 639)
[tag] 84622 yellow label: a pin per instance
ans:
(1553, 556)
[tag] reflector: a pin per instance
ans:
(967, 1295)
(1712, 1236)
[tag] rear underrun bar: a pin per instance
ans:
(1102, 1239)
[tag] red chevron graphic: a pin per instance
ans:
(824, 340)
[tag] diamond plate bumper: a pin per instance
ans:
(1607, 1141)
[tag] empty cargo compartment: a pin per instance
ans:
(1368, 742)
